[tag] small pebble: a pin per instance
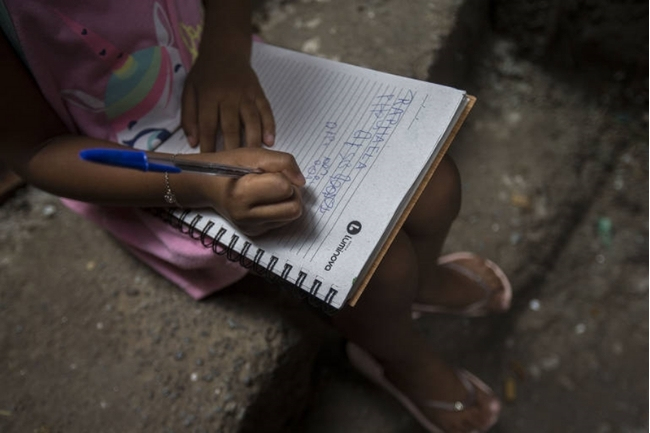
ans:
(534, 371)
(550, 362)
(49, 210)
(619, 183)
(520, 201)
(510, 389)
(534, 305)
(241, 414)
(312, 24)
(230, 407)
(311, 46)
(515, 238)
(605, 231)
(580, 328)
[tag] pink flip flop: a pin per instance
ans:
(478, 308)
(369, 367)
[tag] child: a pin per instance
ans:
(106, 74)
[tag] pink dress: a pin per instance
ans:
(115, 70)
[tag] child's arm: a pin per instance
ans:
(222, 92)
(35, 144)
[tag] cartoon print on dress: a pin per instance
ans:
(143, 94)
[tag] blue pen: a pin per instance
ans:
(140, 160)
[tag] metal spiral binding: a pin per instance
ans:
(218, 246)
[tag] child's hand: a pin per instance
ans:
(257, 203)
(224, 94)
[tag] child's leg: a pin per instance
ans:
(427, 227)
(381, 321)
(381, 324)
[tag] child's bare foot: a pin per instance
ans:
(468, 285)
(440, 398)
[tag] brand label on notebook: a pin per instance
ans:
(353, 228)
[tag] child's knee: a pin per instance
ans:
(393, 285)
(445, 188)
(439, 203)
(398, 267)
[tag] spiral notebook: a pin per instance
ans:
(367, 143)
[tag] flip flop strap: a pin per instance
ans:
(456, 406)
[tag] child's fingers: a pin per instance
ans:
(281, 162)
(262, 199)
(189, 115)
(230, 125)
(208, 120)
(269, 188)
(276, 204)
(250, 117)
(278, 214)
(268, 121)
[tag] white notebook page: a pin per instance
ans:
(362, 138)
